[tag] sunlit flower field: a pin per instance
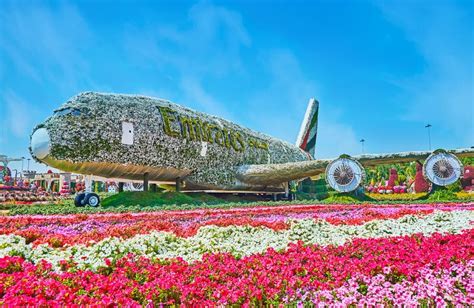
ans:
(336, 255)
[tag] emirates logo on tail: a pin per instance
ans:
(309, 128)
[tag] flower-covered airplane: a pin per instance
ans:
(131, 137)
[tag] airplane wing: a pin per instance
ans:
(278, 173)
(268, 174)
(370, 160)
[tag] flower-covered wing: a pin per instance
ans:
(267, 174)
(279, 173)
(368, 160)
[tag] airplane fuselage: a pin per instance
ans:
(125, 136)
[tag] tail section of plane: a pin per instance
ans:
(309, 128)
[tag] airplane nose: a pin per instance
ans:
(40, 143)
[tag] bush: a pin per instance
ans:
(455, 187)
(148, 198)
(421, 184)
(307, 196)
(393, 179)
(442, 194)
(334, 198)
(345, 198)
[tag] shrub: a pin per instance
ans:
(421, 184)
(442, 193)
(387, 197)
(393, 177)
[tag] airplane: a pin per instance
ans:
(139, 138)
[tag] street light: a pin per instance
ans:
(29, 164)
(362, 143)
(22, 159)
(16, 173)
(428, 126)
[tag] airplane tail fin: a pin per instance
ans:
(309, 128)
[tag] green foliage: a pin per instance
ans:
(441, 194)
(377, 174)
(308, 196)
(201, 198)
(318, 188)
(455, 187)
(467, 161)
(129, 198)
(401, 179)
(202, 201)
(399, 197)
(7, 206)
(346, 198)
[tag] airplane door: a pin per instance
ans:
(127, 133)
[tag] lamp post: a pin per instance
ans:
(22, 160)
(16, 173)
(428, 126)
(362, 143)
(28, 164)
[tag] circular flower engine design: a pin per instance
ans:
(442, 168)
(344, 174)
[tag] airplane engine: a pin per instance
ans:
(345, 174)
(442, 168)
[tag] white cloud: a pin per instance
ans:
(46, 44)
(205, 45)
(209, 42)
(19, 114)
(289, 86)
(443, 94)
(194, 91)
(44, 47)
(335, 138)
(286, 86)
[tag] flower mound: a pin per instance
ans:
(411, 269)
(59, 231)
(338, 255)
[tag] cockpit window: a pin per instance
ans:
(68, 111)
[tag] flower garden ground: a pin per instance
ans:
(150, 201)
(242, 254)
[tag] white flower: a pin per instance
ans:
(237, 240)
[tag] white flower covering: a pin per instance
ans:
(93, 135)
(237, 240)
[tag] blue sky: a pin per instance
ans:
(380, 69)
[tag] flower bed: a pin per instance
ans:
(410, 269)
(82, 229)
(402, 197)
(234, 239)
(320, 254)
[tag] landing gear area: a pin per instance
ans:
(87, 198)
(83, 199)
